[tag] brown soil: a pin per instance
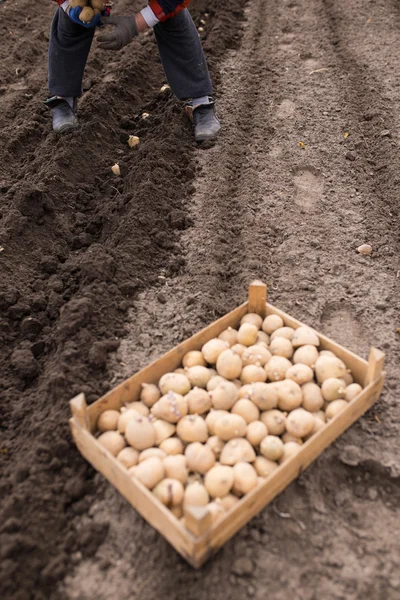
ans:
(89, 260)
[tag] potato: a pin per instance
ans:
(140, 433)
(212, 349)
(256, 431)
(108, 420)
(215, 444)
(253, 374)
(247, 334)
(246, 409)
(150, 394)
(252, 318)
(290, 395)
(112, 441)
(306, 355)
(299, 423)
(327, 366)
(86, 14)
(334, 408)
(150, 472)
(219, 481)
(174, 382)
(126, 415)
(264, 466)
(263, 338)
(196, 495)
(300, 373)
(264, 395)
(192, 428)
(169, 491)
(290, 449)
(150, 452)
(75, 3)
(271, 323)
(333, 389)
(215, 382)
(163, 429)
(176, 467)
(237, 449)
(172, 446)
(312, 397)
(171, 407)
(352, 391)
(238, 349)
(230, 426)
(348, 378)
(224, 396)
(98, 4)
(228, 501)
(281, 346)
(194, 358)
(245, 478)
(275, 421)
(229, 364)
(139, 407)
(177, 511)
(200, 458)
(276, 368)
(288, 437)
(229, 335)
(271, 447)
(198, 376)
(129, 457)
(255, 355)
(286, 332)
(212, 418)
(305, 336)
(198, 401)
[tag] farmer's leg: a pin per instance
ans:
(182, 57)
(68, 52)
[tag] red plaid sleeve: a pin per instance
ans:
(165, 9)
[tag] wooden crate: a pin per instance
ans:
(202, 539)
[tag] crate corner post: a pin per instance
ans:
(79, 411)
(375, 365)
(258, 298)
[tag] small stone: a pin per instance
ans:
(243, 567)
(24, 364)
(31, 326)
(386, 133)
(76, 557)
(350, 156)
(364, 249)
(161, 298)
(75, 488)
(87, 84)
(350, 455)
(373, 493)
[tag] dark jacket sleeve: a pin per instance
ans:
(165, 9)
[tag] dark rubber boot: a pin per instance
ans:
(206, 123)
(64, 117)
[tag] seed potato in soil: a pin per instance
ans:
(101, 274)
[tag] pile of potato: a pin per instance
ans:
(215, 428)
(90, 8)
